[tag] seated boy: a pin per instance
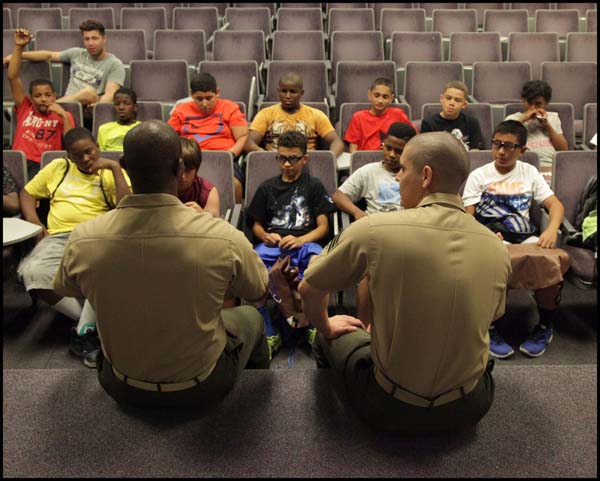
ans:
(499, 195)
(193, 190)
(80, 187)
(544, 131)
(40, 121)
(289, 216)
(111, 134)
(290, 114)
(213, 122)
(452, 118)
(367, 128)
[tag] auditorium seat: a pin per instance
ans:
(104, 112)
(258, 18)
(499, 82)
(348, 109)
(271, 6)
(591, 21)
(240, 45)
(470, 47)
(505, 22)
(298, 45)
(582, 47)
(217, 167)
(559, 21)
(535, 48)
(378, 7)
(590, 123)
(355, 45)
(197, 18)
(302, 19)
(117, 7)
(34, 19)
(147, 19)
(29, 71)
(169, 7)
(185, 45)
(220, 6)
(57, 40)
(353, 19)
(447, 21)
(6, 18)
(106, 16)
(16, 163)
(480, 8)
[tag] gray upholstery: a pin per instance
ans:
(415, 47)
(258, 18)
(65, 7)
(430, 7)
(534, 48)
(363, 46)
(499, 82)
(220, 6)
(15, 162)
(591, 20)
(117, 7)
(590, 121)
(402, 20)
(29, 71)
(505, 21)
(169, 7)
(160, 80)
(530, 7)
(378, 7)
(147, 19)
(198, 18)
(447, 21)
(559, 21)
(271, 6)
(106, 16)
(239, 45)
(565, 114)
(298, 45)
(34, 19)
(299, 19)
(352, 19)
(582, 47)
(582, 8)
(481, 111)
(217, 166)
(8, 41)
(480, 8)
(128, 45)
(359, 158)
(104, 112)
(188, 45)
(57, 40)
(469, 47)
(6, 18)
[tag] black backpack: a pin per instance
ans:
(587, 202)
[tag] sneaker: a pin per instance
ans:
(535, 344)
(310, 335)
(274, 343)
(499, 348)
(86, 346)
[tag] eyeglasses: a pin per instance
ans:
(496, 144)
(292, 159)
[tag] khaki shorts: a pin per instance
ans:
(38, 269)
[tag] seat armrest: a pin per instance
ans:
(345, 219)
(235, 215)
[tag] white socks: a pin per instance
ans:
(69, 306)
(87, 320)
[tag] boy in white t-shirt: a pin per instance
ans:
(499, 195)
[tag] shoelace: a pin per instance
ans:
(539, 334)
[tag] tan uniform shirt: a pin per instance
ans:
(437, 279)
(156, 273)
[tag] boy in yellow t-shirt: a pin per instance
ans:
(111, 134)
(80, 187)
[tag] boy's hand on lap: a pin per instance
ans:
(272, 239)
(290, 242)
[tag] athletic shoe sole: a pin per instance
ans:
(530, 354)
(501, 356)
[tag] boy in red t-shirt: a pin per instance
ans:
(41, 122)
(367, 128)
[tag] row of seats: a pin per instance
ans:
(492, 82)
(265, 16)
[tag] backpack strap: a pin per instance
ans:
(61, 180)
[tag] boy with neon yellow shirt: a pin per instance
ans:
(111, 134)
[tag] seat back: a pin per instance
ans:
(582, 8)
(239, 45)
(147, 19)
(480, 8)
(271, 6)
(402, 20)
(188, 45)
(470, 47)
(117, 7)
(56, 40)
(299, 19)
(160, 80)
(565, 114)
(352, 19)
(499, 82)
(16, 163)
(358, 46)
(127, 45)
(430, 7)
(169, 7)
(591, 21)
(447, 21)
(106, 16)
(29, 71)
(6, 19)
(314, 79)
(481, 111)
(425, 82)
(530, 7)
(34, 19)
(104, 112)
(505, 21)
(582, 47)
(534, 48)
(378, 7)
(559, 21)
(197, 18)
(359, 158)
(217, 166)
(571, 172)
(348, 109)
(415, 47)
(298, 45)
(590, 122)
(50, 155)
(220, 6)
(258, 18)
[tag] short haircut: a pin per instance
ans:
(382, 81)
(74, 135)
(512, 127)
(445, 155)
(291, 77)
(90, 25)
(203, 82)
(401, 130)
(536, 88)
(293, 138)
(458, 85)
(40, 81)
(190, 153)
(126, 91)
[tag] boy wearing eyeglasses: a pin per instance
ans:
(499, 195)
(289, 216)
(80, 187)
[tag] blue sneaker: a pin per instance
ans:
(499, 348)
(535, 344)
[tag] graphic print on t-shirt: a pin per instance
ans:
(389, 193)
(293, 216)
(507, 201)
(278, 127)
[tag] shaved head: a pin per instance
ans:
(152, 152)
(446, 157)
(291, 78)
